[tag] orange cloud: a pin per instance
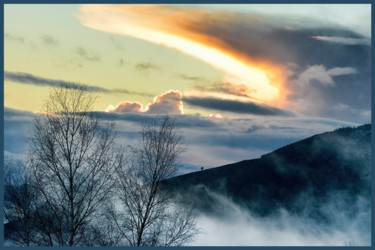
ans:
(167, 103)
(183, 29)
(218, 116)
(125, 107)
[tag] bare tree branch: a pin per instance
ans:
(72, 161)
(148, 215)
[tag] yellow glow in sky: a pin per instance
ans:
(110, 19)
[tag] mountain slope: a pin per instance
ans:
(330, 168)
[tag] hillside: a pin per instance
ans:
(305, 177)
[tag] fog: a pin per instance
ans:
(238, 227)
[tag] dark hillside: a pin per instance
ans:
(329, 168)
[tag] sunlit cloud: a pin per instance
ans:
(322, 75)
(167, 103)
(126, 107)
(154, 23)
(344, 40)
(218, 116)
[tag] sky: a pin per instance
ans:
(240, 80)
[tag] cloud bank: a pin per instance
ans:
(236, 106)
(172, 102)
(26, 78)
(209, 141)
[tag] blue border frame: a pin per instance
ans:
(2, 130)
(189, 2)
(372, 128)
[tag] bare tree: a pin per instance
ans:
(145, 214)
(72, 161)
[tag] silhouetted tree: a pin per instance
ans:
(72, 162)
(146, 215)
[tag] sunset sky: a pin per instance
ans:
(241, 80)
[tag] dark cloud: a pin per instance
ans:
(235, 106)
(14, 37)
(130, 117)
(49, 40)
(83, 53)
(182, 121)
(258, 39)
(190, 78)
(124, 91)
(227, 88)
(35, 80)
(281, 127)
(195, 121)
(145, 67)
(27, 78)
